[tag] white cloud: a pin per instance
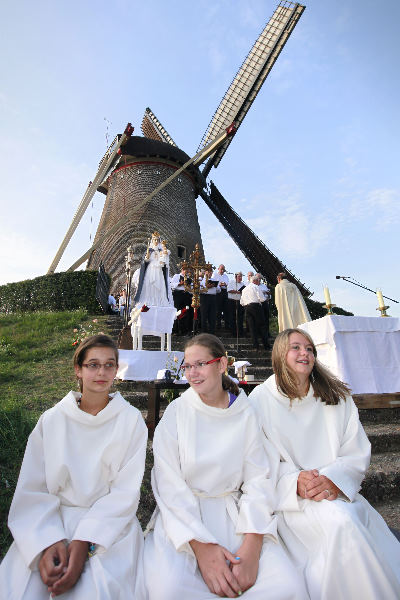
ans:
(385, 203)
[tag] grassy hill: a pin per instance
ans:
(35, 372)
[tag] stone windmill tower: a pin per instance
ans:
(134, 166)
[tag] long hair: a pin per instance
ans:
(94, 341)
(217, 350)
(326, 386)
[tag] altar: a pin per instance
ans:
(143, 365)
(364, 352)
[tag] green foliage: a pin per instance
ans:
(36, 372)
(15, 426)
(317, 310)
(58, 291)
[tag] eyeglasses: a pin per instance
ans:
(200, 364)
(108, 366)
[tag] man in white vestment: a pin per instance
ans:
(292, 310)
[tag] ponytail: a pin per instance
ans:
(229, 385)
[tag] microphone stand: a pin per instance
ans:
(348, 279)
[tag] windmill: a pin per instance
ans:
(135, 170)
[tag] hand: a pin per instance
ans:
(247, 569)
(322, 488)
(304, 478)
(77, 554)
(211, 559)
(53, 563)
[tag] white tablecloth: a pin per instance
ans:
(364, 352)
(143, 365)
(158, 319)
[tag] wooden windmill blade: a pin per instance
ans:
(256, 252)
(106, 164)
(152, 128)
(251, 75)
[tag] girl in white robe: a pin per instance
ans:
(78, 491)
(343, 545)
(213, 533)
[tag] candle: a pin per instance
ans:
(327, 296)
(380, 298)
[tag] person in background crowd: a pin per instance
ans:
(342, 545)
(250, 274)
(112, 304)
(208, 304)
(292, 310)
(236, 310)
(251, 299)
(265, 304)
(222, 295)
(182, 299)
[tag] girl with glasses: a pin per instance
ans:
(73, 516)
(213, 534)
(340, 542)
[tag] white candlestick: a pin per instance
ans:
(380, 298)
(327, 295)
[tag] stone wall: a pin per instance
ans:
(172, 212)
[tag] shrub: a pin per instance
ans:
(58, 291)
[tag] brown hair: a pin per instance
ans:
(217, 350)
(326, 386)
(94, 341)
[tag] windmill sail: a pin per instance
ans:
(251, 75)
(256, 252)
(152, 128)
(105, 165)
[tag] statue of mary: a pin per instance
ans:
(154, 288)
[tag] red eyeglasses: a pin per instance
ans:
(200, 365)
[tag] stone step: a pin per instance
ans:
(379, 415)
(384, 437)
(382, 481)
(390, 511)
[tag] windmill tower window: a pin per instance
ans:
(181, 250)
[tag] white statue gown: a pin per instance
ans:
(344, 546)
(80, 479)
(154, 292)
(210, 480)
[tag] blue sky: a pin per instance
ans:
(314, 169)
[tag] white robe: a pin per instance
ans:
(80, 479)
(292, 310)
(344, 546)
(210, 480)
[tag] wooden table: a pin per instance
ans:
(154, 389)
(363, 401)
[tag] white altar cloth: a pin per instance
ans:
(364, 352)
(142, 365)
(158, 319)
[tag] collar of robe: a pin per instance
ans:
(241, 403)
(270, 383)
(70, 407)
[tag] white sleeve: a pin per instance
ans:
(258, 500)
(349, 468)
(179, 507)
(34, 520)
(109, 515)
